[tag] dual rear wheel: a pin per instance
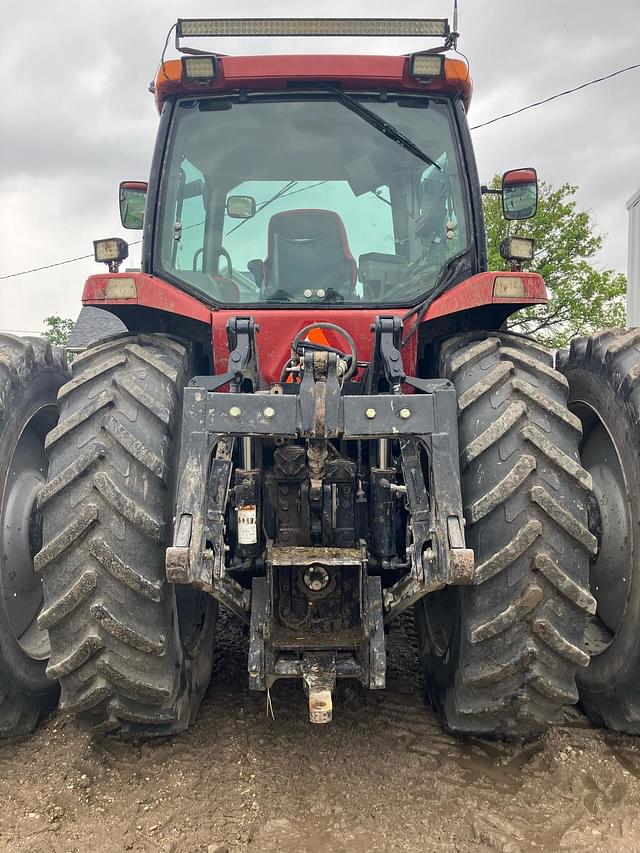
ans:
(132, 653)
(86, 504)
(31, 372)
(604, 379)
(550, 467)
(551, 484)
(501, 656)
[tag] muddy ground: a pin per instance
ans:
(382, 777)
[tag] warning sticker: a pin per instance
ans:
(247, 526)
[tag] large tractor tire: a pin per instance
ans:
(132, 653)
(31, 372)
(500, 657)
(604, 392)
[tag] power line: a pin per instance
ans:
(46, 267)
(56, 264)
(475, 127)
(558, 95)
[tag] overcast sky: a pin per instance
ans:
(77, 117)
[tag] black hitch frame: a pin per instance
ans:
(423, 423)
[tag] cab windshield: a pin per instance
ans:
(298, 199)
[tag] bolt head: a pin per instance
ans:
(269, 413)
(370, 413)
(405, 413)
(235, 411)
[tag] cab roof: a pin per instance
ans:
(270, 72)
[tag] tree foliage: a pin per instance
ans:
(57, 330)
(582, 298)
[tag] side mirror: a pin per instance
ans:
(241, 206)
(519, 193)
(133, 198)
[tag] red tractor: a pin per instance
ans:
(316, 420)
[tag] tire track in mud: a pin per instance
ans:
(382, 777)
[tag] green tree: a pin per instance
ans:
(57, 330)
(582, 298)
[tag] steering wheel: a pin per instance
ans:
(219, 252)
(339, 331)
(223, 252)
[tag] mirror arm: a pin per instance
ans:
(485, 190)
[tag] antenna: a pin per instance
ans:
(453, 38)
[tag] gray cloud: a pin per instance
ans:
(77, 117)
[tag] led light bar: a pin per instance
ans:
(195, 27)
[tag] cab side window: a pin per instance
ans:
(190, 220)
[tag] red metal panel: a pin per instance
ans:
(268, 72)
(278, 327)
(478, 290)
(152, 292)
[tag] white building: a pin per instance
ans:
(633, 271)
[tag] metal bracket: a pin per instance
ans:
(319, 396)
(197, 556)
(387, 358)
(267, 663)
(437, 551)
(243, 355)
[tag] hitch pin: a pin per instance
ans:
(320, 706)
(319, 678)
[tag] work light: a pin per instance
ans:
(199, 68)
(111, 251)
(426, 66)
(517, 248)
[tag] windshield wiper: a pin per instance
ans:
(380, 124)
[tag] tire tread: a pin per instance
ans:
(115, 646)
(524, 490)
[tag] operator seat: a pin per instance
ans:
(308, 250)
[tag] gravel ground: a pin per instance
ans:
(382, 777)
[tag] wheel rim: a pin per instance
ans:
(610, 520)
(21, 534)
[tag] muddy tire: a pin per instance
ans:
(31, 372)
(132, 653)
(500, 657)
(604, 392)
